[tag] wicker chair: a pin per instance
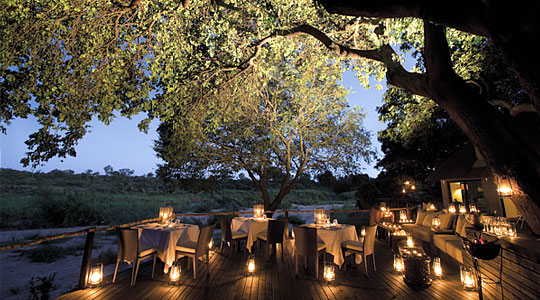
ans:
(129, 251)
(230, 238)
(364, 248)
(194, 250)
(305, 244)
(273, 235)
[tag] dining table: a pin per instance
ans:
(251, 226)
(165, 237)
(332, 236)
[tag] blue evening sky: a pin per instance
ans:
(122, 145)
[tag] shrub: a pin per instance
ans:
(106, 257)
(42, 287)
(46, 253)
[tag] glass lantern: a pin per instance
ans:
(165, 213)
(437, 267)
(329, 272)
(251, 264)
(319, 216)
(403, 215)
(95, 277)
(399, 265)
(410, 241)
(462, 209)
(383, 206)
(258, 211)
(436, 222)
(467, 278)
(174, 273)
(452, 208)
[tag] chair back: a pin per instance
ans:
(369, 240)
(204, 239)
(276, 230)
(305, 241)
(226, 234)
(128, 244)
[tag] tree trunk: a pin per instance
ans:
(502, 144)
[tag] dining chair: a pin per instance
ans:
(305, 244)
(273, 235)
(364, 248)
(230, 238)
(129, 251)
(194, 250)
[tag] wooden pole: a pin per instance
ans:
(87, 257)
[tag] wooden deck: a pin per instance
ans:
(276, 279)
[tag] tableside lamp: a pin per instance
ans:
(467, 278)
(165, 213)
(95, 276)
(251, 264)
(437, 267)
(174, 273)
(329, 272)
(399, 265)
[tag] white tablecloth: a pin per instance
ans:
(165, 239)
(250, 226)
(333, 236)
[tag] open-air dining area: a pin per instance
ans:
(322, 259)
(269, 149)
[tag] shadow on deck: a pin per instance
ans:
(276, 279)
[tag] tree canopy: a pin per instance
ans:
(65, 61)
(290, 118)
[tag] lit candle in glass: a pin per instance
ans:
(165, 213)
(410, 241)
(462, 209)
(399, 266)
(432, 206)
(258, 211)
(467, 278)
(96, 275)
(329, 272)
(383, 206)
(174, 274)
(251, 264)
(436, 222)
(473, 209)
(452, 208)
(437, 268)
(363, 231)
(512, 231)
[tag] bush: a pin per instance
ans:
(46, 253)
(41, 289)
(64, 210)
(106, 257)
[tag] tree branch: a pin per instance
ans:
(514, 110)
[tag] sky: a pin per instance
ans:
(122, 145)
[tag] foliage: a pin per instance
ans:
(104, 196)
(46, 253)
(291, 119)
(41, 288)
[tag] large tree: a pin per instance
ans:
(64, 61)
(291, 117)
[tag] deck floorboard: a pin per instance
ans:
(275, 279)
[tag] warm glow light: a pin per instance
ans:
(467, 278)
(399, 266)
(165, 213)
(512, 231)
(436, 222)
(258, 211)
(437, 268)
(329, 272)
(383, 206)
(251, 264)
(462, 209)
(410, 241)
(363, 231)
(473, 209)
(452, 209)
(407, 182)
(174, 274)
(403, 216)
(413, 187)
(505, 190)
(403, 191)
(96, 275)
(211, 244)
(432, 206)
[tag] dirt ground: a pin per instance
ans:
(16, 269)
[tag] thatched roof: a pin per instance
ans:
(461, 165)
